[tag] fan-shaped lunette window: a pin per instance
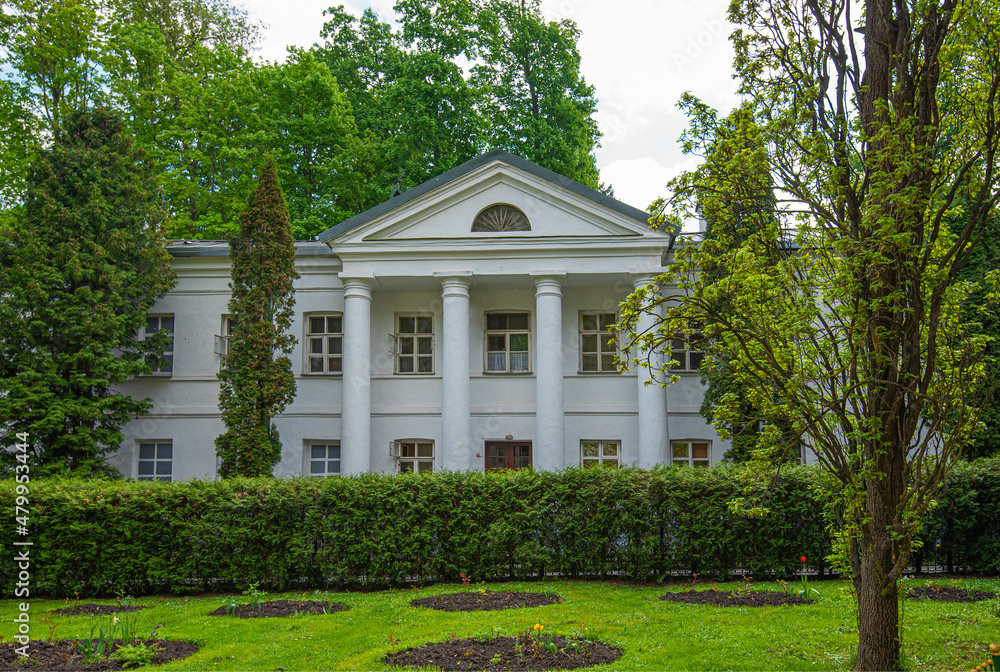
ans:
(501, 218)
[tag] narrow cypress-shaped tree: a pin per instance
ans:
(77, 278)
(256, 377)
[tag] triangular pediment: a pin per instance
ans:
(445, 208)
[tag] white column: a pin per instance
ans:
(550, 448)
(653, 432)
(356, 418)
(456, 405)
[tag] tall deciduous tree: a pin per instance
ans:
(879, 129)
(256, 378)
(86, 264)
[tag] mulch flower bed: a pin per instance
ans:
(63, 655)
(278, 608)
(718, 598)
(92, 609)
(948, 594)
(504, 653)
(486, 600)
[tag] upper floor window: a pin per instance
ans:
(413, 344)
(155, 462)
(691, 453)
(324, 342)
(154, 324)
(686, 351)
(508, 336)
(501, 217)
(597, 346)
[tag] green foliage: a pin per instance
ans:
(256, 376)
(372, 530)
(859, 339)
(86, 264)
(134, 655)
(419, 113)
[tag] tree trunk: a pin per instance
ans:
(878, 620)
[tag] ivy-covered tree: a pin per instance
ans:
(78, 276)
(256, 376)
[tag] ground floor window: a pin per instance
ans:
(155, 461)
(508, 455)
(692, 453)
(324, 458)
(413, 456)
(600, 454)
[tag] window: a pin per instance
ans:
(691, 453)
(155, 324)
(413, 456)
(499, 218)
(508, 455)
(597, 347)
(685, 350)
(155, 460)
(324, 343)
(413, 344)
(324, 458)
(222, 340)
(600, 454)
(507, 338)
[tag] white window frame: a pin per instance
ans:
(156, 460)
(601, 336)
(311, 457)
(167, 352)
(413, 456)
(324, 339)
(412, 341)
(506, 333)
(688, 458)
(222, 339)
(588, 458)
(686, 358)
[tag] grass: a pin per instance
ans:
(655, 634)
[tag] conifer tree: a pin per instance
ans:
(256, 379)
(78, 275)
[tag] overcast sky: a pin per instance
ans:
(640, 55)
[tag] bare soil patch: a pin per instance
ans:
(948, 594)
(718, 598)
(505, 653)
(486, 600)
(63, 655)
(93, 609)
(279, 608)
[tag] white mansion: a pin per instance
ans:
(460, 325)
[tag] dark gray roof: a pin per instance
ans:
(468, 167)
(220, 248)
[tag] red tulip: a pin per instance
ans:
(803, 558)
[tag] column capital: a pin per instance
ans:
(548, 282)
(359, 286)
(454, 283)
(643, 276)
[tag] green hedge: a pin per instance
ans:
(103, 537)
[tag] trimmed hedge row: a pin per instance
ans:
(103, 537)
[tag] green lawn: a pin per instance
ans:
(655, 635)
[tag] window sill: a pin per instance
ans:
(508, 373)
(317, 374)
